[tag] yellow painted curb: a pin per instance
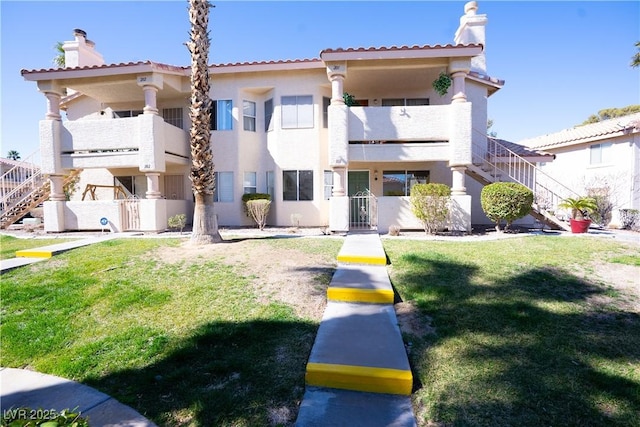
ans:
(33, 254)
(379, 296)
(360, 259)
(359, 378)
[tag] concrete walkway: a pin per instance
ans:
(22, 388)
(358, 372)
(30, 256)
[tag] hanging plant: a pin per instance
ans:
(349, 100)
(442, 84)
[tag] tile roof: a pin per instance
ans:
(579, 134)
(397, 48)
(156, 65)
(518, 149)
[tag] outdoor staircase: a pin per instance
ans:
(23, 189)
(497, 162)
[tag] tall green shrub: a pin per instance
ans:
(430, 204)
(506, 201)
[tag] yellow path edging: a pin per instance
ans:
(361, 259)
(26, 253)
(375, 296)
(360, 378)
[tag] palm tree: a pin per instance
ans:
(58, 60)
(205, 223)
(635, 59)
(13, 155)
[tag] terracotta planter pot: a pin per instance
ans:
(579, 225)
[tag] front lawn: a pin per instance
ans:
(526, 331)
(9, 245)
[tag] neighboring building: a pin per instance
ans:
(599, 159)
(278, 127)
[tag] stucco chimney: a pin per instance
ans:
(81, 52)
(472, 31)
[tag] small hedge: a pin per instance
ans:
(506, 201)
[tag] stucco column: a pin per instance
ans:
(337, 72)
(153, 185)
(150, 102)
(53, 105)
(459, 94)
(457, 178)
(338, 182)
(57, 188)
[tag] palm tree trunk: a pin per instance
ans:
(205, 223)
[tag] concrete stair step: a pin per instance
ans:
(365, 248)
(366, 284)
(359, 347)
(323, 407)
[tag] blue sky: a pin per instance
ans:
(562, 61)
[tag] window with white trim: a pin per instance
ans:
(223, 191)
(221, 114)
(271, 189)
(120, 114)
(297, 112)
(173, 116)
(325, 111)
(249, 183)
(399, 183)
(134, 186)
(404, 102)
(328, 184)
(297, 185)
(249, 115)
(599, 153)
(268, 115)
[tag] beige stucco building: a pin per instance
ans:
(278, 127)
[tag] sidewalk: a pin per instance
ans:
(358, 372)
(21, 388)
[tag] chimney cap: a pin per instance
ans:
(79, 32)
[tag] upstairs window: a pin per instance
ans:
(268, 115)
(325, 111)
(600, 153)
(249, 115)
(404, 102)
(221, 114)
(297, 185)
(121, 114)
(173, 116)
(297, 112)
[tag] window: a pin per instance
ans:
(270, 184)
(328, 184)
(297, 112)
(249, 115)
(249, 183)
(325, 111)
(268, 115)
(224, 187)
(221, 118)
(134, 186)
(402, 102)
(297, 185)
(173, 116)
(174, 187)
(399, 183)
(599, 153)
(127, 113)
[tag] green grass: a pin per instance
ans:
(9, 245)
(523, 335)
(182, 343)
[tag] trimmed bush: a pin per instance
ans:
(506, 201)
(253, 196)
(630, 219)
(259, 210)
(177, 222)
(430, 204)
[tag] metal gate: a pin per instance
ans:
(363, 211)
(130, 214)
